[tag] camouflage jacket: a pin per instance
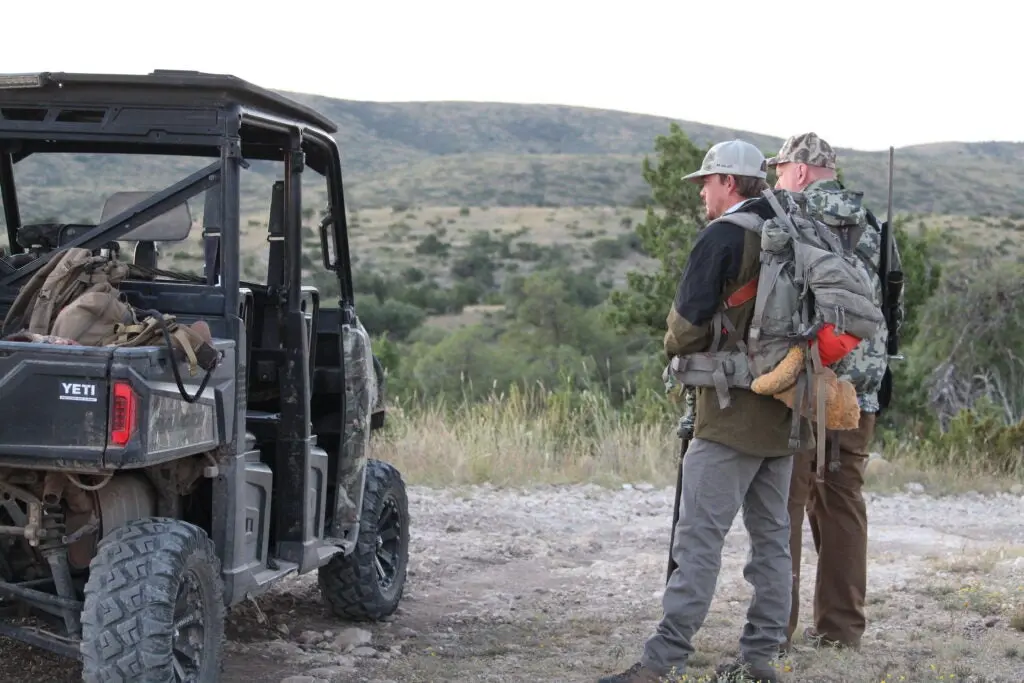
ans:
(865, 366)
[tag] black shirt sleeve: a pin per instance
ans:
(715, 259)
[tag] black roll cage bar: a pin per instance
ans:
(113, 228)
(20, 139)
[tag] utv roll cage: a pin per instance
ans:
(177, 113)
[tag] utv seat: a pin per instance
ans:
(173, 225)
(146, 254)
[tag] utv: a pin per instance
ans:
(138, 500)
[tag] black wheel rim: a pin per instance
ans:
(389, 544)
(189, 633)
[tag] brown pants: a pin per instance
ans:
(839, 525)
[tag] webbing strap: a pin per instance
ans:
(717, 323)
(798, 255)
(833, 465)
(819, 413)
(799, 399)
(730, 329)
(742, 295)
(769, 274)
(186, 346)
(721, 386)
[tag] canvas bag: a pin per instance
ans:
(66, 276)
(74, 296)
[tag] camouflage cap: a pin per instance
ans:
(806, 148)
(734, 157)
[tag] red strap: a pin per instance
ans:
(742, 295)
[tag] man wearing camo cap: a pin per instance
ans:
(809, 150)
(739, 456)
(835, 508)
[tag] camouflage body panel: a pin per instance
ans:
(840, 208)
(360, 398)
(174, 422)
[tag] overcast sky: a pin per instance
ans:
(864, 74)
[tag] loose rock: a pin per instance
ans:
(352, 637)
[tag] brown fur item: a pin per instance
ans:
(842, 410)
(782, 376)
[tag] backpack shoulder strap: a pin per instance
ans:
(63, 284)
(21, 310)
(744, 219)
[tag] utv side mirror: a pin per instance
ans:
(327, 253)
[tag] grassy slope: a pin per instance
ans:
(385, 241)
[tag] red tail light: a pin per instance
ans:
(122, 422)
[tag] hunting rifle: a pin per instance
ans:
(892, 290)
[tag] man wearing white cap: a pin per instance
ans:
(739, 455)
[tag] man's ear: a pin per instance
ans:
(803, 174)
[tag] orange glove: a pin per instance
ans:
(832, 346)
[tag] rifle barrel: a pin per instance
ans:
(888, 213)
(886, 246)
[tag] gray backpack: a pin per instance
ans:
(807, 279)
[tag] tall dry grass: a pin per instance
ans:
(559, 436)
(525, 437)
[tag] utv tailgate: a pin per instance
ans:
(54, 402)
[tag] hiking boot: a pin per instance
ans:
(637, 673)
(817, 640)
(740, 671)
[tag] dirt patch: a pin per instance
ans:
(564, 584)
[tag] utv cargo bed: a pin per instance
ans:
(88, 408)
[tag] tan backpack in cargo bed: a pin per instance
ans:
(74, 296)
(64, 278)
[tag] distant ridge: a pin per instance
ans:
(478, 154)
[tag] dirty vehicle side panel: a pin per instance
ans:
(54, 401)
(65, 406)
(168, 426)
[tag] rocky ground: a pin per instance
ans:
(563, 584)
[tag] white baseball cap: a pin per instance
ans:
(733, 157)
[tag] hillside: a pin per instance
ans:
(529, 155)
(472, 154)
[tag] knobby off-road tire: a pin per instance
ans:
(150, 580)
(351, 584)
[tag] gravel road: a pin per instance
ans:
(563, 584)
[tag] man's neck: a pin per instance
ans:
(737, 201)
(818, 181)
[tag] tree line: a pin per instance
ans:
(959, 395)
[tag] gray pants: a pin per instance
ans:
(717, 481)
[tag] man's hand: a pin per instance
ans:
(686, 422)
(668, 379)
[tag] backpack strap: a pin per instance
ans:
(744, 219)
(791, 228)
(147, 332)
(834, 462)
(820, 392)
(743, 294)
(751, 222)
(21, 310)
